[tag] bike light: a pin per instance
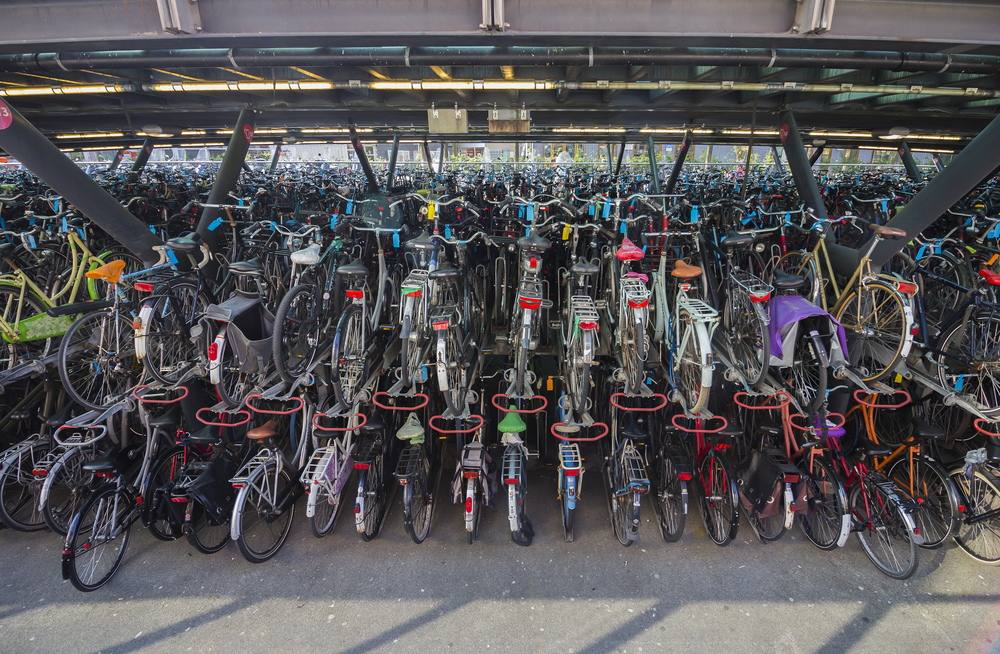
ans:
(571, 472)
(143, 287)
(238, 485)
(588, 325)
(685, 287)
(104, 475)
(138, 499)
(357, 509)
(638, 305)
(355, 294)
(440, 324)
(961, 508)
(914, 331)
(39, 473)
(136, 324)
(471, 474)
(213, 352)
(415, 292)
(916, 531)
(530, 304)
(361, 466)
(684, 476)
(510, 482)
(760, 297)
(468, 505)
(906, 288)
(534, 262)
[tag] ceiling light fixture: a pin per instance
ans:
(91, 135)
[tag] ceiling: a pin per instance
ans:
(109, 66)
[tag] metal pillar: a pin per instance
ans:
(678, 163)
(778, 166)
(937, 163)
(654, 174)
(246, 168)
(795, 152)
(116, 161)
(229, 173)
(621, 155)
(141, 159)
(363, 160)
(610, 157)
(275, 157)
(427, 156)
(441, 160)
(817, 153)
(912, 172)
(392, 162)
(22, 141)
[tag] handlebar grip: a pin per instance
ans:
(606, 233)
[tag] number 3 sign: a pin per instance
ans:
(5, 115)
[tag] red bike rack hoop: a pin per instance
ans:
(761, 407)
(223, 424)
(978, 424)
(301, 402)
(135, 394)
(725, 423)
(430, 423)
(570, 439)
(814, 428)
(545, 403)
(400, 408)
(364, 421)
(858, 394)
(660, 396)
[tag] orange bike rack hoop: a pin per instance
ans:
(364, 421)
(859, 393)
(141, 398)
(400, 408)
(430, 423)
(301, 402)
(569, 439)
(545, 403)
(659, 406)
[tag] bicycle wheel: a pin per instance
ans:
(12, 354)
(297, 332)
(417, 504)
(19, 491)
(472, 506)
(98, 537)
(97, 361)
(569, 499)
(718, 498)
(261, 531)
(807, 376)
(204, 534)
(929, 485)
(66, 488)
(327, 503)
(803, 265)
(877, 328)
(350, 365)
(169, 350)
(371, 500)
(236, 382)
(578, 371)
(450, 371)
(747, 336)
(694, 363)
(939, 298)
(826, 504)
(883, 532)
(670, 495)
(159, 513)
(980, 539)
(632, 350)
(969, 363)
(772, 527)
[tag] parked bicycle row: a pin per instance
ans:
(460, 329)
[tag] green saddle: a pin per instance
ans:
(512, 424)
(411, 430)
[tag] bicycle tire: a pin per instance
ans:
(935, 495)
(808, 375)
(980, 540)
(823, 520)
(633, 354)
(67, 489)
(204, 535)
(372, 487)
(19, 492)
(718, 499)
(297, 332)
(235, 383)
(579, 377)
(168, 349)
(669, 494)
(451, 388)
(156, 512)
(875, 320)
(258, 538)
(326, 506)
(568, 512)
(348, 350)
(748, 339)
(104, 521)
(92, 371)
(472, 491)
(880, 529)
(695, 360)
(981, 378)
(417, 505)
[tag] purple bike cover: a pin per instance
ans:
(786, 312)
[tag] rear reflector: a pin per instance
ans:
(760, 298)
(415, 292)
(572, 472)
(357, 508)
(792, 479)
(355, 293)
(907, 289)
(510, 482)
(684, 476)
(136, 324)
(468, 505)
(530, 304)
(470, 474)
(638, 305)
(439, 324)
(534, 262)
(361, 466)
(143, 287)
(213, 352)
(238, 485)
(588, 325)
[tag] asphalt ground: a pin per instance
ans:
(339, 594)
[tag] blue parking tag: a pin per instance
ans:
(447, 231)
(623, 227)
(591, 210)
(65, 225)
(395, 238)
(920, 252)
(350, 207)
(607, 210)
(694, 214)
(885, 206)
(215, 224)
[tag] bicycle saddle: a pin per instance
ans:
(353, 269)
(786, 281)
(633, 430)
(171, 418)
(731, 430)
(264, 431)
(925, 431)
(734, 239)
(188, 243)
(447, 272)
(585, 269)
(111, 272)
(411, 429)
(61, 417)
(887, 232)
(769, 426)
(374, 425)
(23, 414)
(250, 267)
(306, 256)
(207, 435)
(7, 249)
(684, 271)
(872, 448)
(511, 424)
(421, 242)
(107, 462)
(534, 243)
(628, 251)
(990, 277)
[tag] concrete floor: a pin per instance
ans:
(343, 595)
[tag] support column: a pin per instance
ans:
(912, 172)
(427, 156)
(795, 152)
(25, 143)
(363, 160)
(140, 161)
(275, 157)
(654, 174)
(392, 162)
(610, 169)
(621, 155)
(116, 161)
(678, 163)
(226, 178)
(817, 153)
(937, 163)
(441, 160)
(778, 166)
